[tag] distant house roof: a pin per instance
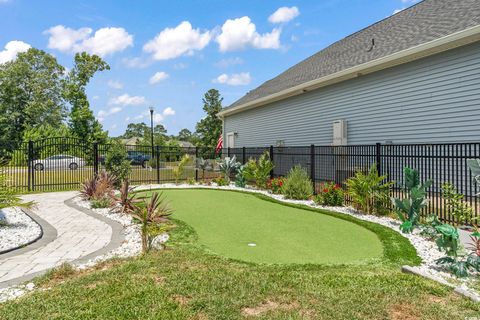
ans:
(186, 144)
(422, 23)
(131, 141)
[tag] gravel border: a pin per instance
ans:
(21, 230)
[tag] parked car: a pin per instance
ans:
(135, 157)
(59, 161)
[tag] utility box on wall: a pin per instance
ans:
(339, 133)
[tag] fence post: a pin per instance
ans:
(378, 157)
(244, 155)
(271, 159)
(95, 159)
(228, 152)
(30, 165)
(158, 163)
(196, 164)
(312, 167)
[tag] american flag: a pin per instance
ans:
(219, 144)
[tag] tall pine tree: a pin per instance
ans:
(209, 128)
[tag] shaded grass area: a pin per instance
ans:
(184, 282)
(228, 222)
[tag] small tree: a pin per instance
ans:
(116, 162)
(154, 211)
(180, 168)
(259, 170)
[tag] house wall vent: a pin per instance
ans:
(339, 133)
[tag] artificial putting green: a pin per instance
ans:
(227, 222)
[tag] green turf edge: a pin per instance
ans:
(397, 250)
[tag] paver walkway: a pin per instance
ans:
(77, 235)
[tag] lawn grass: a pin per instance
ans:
(226, 222)
(184, 282)
(187, 282)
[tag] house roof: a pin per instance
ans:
(422, 23)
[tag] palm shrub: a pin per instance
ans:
(229, 166)
(98, 188)
(454, 203)
(369, 192)
(409, 208)
(126, 199)
(180, 168)
(8, 196)
(259, 170)
(297, 185)
(203, 164)
(151, 214)
(116, 162)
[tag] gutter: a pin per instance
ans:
(451, 41)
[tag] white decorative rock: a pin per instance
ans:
(158, 241)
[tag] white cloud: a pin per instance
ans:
(115, 84)
(397, 11)
(158, 76)
(241, 32)
(180, 66)
(236, 79)
(158, 117)
(137, 62)
(171, 43)
(102, 114)
(284, 14)
(225, 63)
(11, 50)
(168, 112)
(127, 100)
(103, 42)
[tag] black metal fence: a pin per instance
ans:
(63, 163)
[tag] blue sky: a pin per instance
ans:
(167, 54)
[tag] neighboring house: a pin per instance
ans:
(411, 78)
(186, 144)
(131, 141)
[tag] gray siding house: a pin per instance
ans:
(411, 78)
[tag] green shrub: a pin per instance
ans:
(454, 203)
(180, 168)
(8, 197)
(191, 181)
(240, 180)
(229, 166)
(410, 208)
(297, 184)
(101, 203)
(368, 192)
(116, 162)
(330, 194)
(259, 170)
(220, 182)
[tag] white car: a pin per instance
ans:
(59, 161)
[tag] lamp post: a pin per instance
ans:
(151, 129)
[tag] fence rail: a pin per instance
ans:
(63, 163)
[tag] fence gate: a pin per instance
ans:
(59, 163)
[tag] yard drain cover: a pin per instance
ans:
(252, 244)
